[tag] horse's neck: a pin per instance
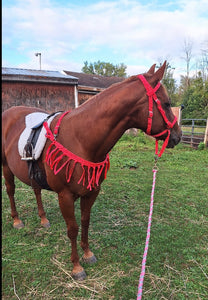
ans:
(102, 120)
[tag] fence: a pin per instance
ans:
(194, 131)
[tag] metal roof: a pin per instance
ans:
(92, 80)
(36, 75)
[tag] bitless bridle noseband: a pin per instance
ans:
(151, 93)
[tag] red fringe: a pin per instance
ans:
(90, 170)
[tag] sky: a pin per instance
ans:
(137, 33)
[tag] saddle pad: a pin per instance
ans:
(31, 121)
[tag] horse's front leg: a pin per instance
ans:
(66, 203)
(86, 204)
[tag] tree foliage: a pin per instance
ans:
(104, 69)
(170, 84)
(195, 98)
(192, 92)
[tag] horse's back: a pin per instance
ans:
(13, 123)
(13, 120)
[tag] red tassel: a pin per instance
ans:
(55, 154)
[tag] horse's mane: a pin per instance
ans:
(110, 89)
(127, 80)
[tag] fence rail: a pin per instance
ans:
(193, 133)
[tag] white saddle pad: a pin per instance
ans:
(32, 120)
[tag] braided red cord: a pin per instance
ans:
(59, 122)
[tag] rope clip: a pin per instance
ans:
(155, 168)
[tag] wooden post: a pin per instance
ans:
(179, 116)
(206, 135)
(76, 101)
(192, 133)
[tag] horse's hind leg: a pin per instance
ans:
(41, 212)
(10, 188)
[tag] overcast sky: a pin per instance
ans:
(136, 33)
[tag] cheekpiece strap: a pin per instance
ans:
(151, 93)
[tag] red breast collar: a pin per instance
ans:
(57, 152)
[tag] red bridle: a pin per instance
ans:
(151, 93)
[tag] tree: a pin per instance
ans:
(188, 44)
(104, 69)
(170, 83)
(195, 98)
(203, 62)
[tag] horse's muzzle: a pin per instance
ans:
(174, 139)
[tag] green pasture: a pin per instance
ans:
(36, 261)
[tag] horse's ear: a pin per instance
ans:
(158, 75)
(152, 69)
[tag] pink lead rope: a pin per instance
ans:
(151, 93)
(141, 279)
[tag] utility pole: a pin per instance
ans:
(39, 54)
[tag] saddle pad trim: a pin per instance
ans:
(31, 121)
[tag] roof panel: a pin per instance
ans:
(41, 73)
(93, 80)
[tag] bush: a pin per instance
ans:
(201, 146)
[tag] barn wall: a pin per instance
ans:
(83, 97)
(50, 97)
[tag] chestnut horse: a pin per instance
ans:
(89, 132)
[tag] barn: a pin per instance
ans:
(50, 90)
(91, 84)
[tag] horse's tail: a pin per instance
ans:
(3, 139)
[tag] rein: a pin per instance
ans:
(141, 279)
(151, 93)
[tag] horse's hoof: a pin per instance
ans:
(46, 224)
(79, 276)
(89, 260)
(18, 224)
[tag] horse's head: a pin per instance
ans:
(160, 120)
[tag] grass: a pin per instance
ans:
(36, 261)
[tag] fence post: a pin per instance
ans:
(179, 117)
(192, 133)
(206, 135)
